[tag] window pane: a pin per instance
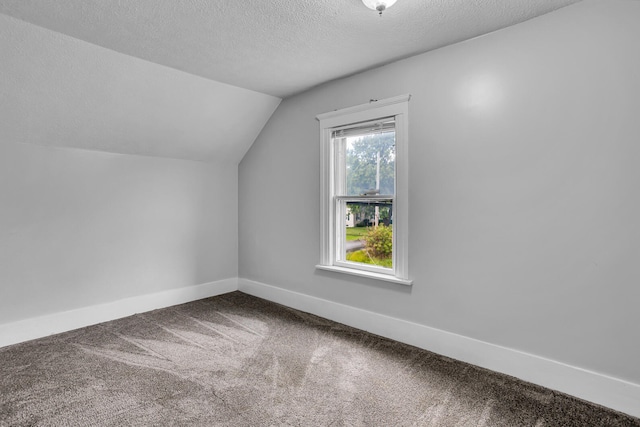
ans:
(369, 233)
(370, 164)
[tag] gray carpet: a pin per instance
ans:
(236, 360)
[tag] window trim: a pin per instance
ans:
(397, 107)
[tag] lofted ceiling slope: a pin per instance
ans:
(198, 79)
(59, 91)
(277, 47)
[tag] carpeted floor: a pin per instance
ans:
(236, 360)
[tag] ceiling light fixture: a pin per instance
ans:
(379, 5)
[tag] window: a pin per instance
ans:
(364, 190)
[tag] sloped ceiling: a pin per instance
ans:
(278, 47)
(59, 91)
(83, 73)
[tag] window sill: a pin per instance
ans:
(367, 274)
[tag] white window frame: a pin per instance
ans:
(397, 107)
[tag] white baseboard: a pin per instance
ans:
(38, 327)
(591, 386)
(601, 389)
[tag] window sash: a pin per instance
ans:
(340, 205)
(339, 146)
(339, 143)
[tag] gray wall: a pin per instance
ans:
(79, 228)
(524, 202)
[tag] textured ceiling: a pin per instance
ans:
(278, 47)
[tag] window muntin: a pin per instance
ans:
(339, 195)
